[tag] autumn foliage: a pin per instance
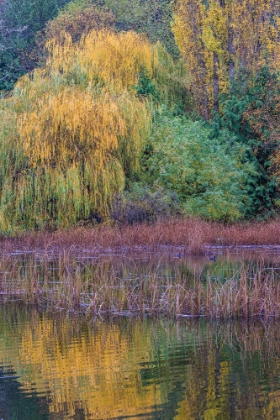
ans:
(79, 22)
(109, 121)
(74, 129)
(219, 37)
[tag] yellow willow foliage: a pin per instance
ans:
(219, 37)
(77, 147)
(73, 142)
(62, 128)
(116, 59)
(68, 140)
(32, 86)
(52, 197)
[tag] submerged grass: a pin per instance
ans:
(117, 288)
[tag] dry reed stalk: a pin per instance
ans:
(113, 287)
(192, 234)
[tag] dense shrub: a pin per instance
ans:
(210, 176)
(144, 204)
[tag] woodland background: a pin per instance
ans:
(129, 110)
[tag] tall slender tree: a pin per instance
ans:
(218, 37)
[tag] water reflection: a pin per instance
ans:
(63, 367)
(166, 264)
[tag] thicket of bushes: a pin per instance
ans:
(106, 128)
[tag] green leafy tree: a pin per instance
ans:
(77, 19)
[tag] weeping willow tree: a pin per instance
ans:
(72, 131)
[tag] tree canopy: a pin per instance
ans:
(219, 37)
(73, 130)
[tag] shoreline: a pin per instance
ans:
(193, 236)
(82, 270)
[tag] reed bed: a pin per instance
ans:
(191, 234)
(118, 288)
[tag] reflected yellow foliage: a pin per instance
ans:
(98, 372)
(128, 368)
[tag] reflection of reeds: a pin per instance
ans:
(192, 234)
(116, 287)
(250, 337)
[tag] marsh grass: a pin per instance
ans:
(124, 287)
(192, 235)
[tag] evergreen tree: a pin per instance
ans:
(251, 111)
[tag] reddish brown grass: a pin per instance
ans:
(99, 288)
(191, 234)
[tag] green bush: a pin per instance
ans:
(210, 176)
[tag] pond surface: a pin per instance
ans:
(128, 368)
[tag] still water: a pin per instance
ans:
(64, 367)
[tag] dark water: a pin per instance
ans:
(65, 368)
